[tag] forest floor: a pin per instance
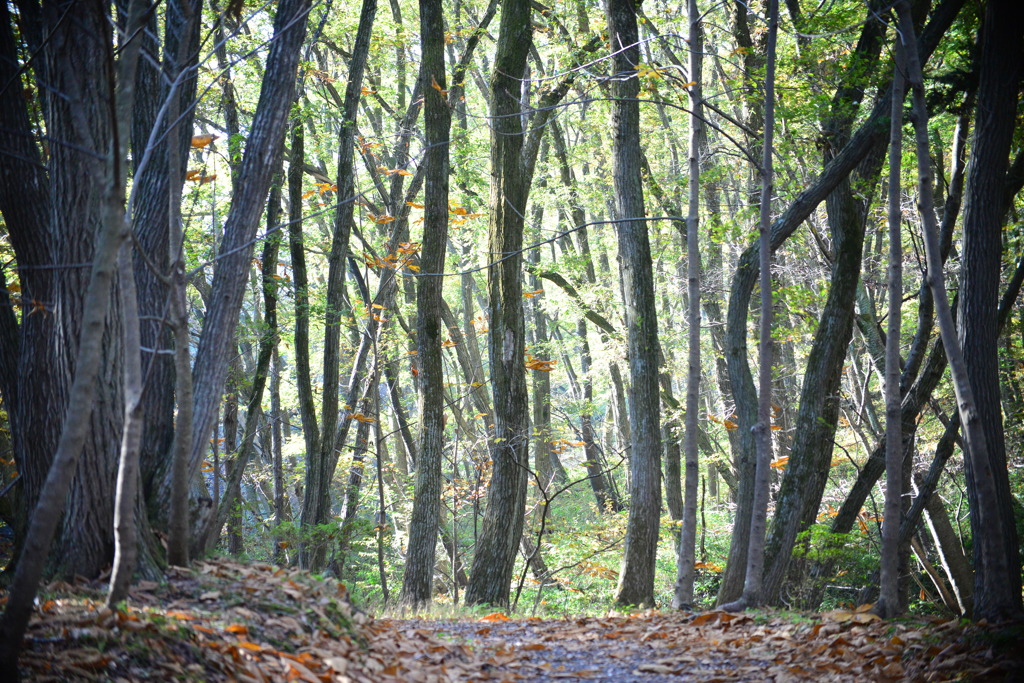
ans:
(221, 621)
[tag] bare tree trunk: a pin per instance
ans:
(973, 359)
(300, 282)
(126, 526)
(171, 83)
(178, 522)
(951, 554)
(491, 575)
(108, 161)
(888, 602)
(683, 598)
(417, 581)
(636, 578)
(762, 429)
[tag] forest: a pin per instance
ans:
(552, 307)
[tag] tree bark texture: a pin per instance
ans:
(636, 578)
(491, 575)
(158, 80)
(888, 602)
(688, 531)
(417, 582)
(996, 551)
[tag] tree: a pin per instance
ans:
(805, 476)
(996, 551)
(491, 575)
(96, 145)
(762, 429)
(316, 504)
(636, 578)
(688, 532)
(888, 603)
(417, 583)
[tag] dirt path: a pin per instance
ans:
(714, 646)
(225, 621)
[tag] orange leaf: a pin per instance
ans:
(438, 88)
(495, 616)
(200, 141)
(237, 629)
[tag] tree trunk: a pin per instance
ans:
(888, 603)
(806, 473)
(235, 254)
(491, 574)
(997, 594)
(300, 283)
(636, 579)
(683, 598)
(417, 582)
(316, 506)
(89, 174)
(154, 144)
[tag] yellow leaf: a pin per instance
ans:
(690, 84)
(414, 205)
(438, 88)
(779, 463)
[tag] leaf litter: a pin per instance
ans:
(226, 621)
